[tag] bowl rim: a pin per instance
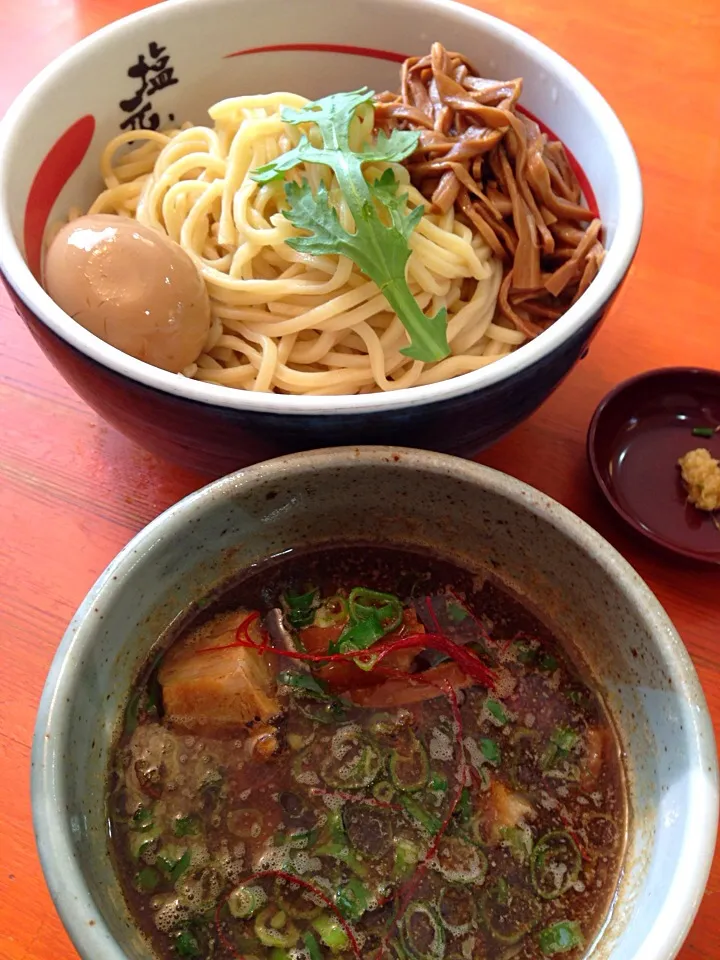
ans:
(630, 205)
(607, 490)
(54, 832)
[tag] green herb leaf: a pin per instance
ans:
(147, 879)
(438, 781)
(305, 682)
(300, 607)
(456, 611)
(186, 945)
(142, 819)
(560, 937)
(547, 662)
(463, 811)
(352, 899)
(186, 827)
(496, 710)
(428, 821)
(562, 741)
(381, 251)
(490, 750)
(312, 946)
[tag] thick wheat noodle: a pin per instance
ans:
(284, 320)
(493, 165)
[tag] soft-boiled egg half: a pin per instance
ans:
(131, 286)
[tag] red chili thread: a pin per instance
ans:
(299, 882)
(433, 615)
(576, 839)
(465, 659)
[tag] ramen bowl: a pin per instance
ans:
(52, 138)
(552, 559)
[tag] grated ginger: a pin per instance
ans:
(701, 475)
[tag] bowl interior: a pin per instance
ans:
(492, 522)
(151, 70)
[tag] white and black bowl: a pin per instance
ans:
(52, 137)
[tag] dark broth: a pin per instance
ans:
(354, 797)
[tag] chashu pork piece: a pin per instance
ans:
(219, 692)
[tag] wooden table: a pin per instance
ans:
(73, 492)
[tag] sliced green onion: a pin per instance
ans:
(704, 431)
(384, 725)
(463, 811)
(331, 932)
(510, 912)
(351, 772)
(312, 946)
(456, 907)
(332, 612)
(277, 953)
(409, 768)
(372, 615)
(186, 826)
(305, 682)
(438, 782)
(562, 741)
(329, 710)
(300, 607)
(547, 662)
(352, 899)
(555, 864)
(147, 879)
(422, 933)
(172, 864)
(335, 844)
(245, 901)
(490, 750)
(561, 937)
(186, 944)
(525, 653)
(364, 603)
(600, 833)
(460, 861)
(383, 791)
(274, 929)
(407, 856)
(428, 821)
(142, 843)
(519, 841)
(142, 819)
(359, 635)
(496, 710)
(456, 611)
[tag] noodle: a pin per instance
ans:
(284, 320)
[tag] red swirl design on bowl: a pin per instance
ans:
(60, 163)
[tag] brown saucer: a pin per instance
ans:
(636, 436)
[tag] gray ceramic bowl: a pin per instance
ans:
(474, 515)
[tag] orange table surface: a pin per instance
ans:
(73, 491)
